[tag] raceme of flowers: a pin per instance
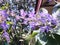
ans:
(43, 21)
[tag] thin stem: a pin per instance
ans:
(38, 5)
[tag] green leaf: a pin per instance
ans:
(9, 30)
(57, 38)
(31, 35)
(1, 29)
(1, 32)
(51, 42)
(4, 6)
(8, 22)
(26, 42)
(38, 43)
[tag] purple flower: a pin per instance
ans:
(4, 26)
(17, 17)
(3, 13)
(12, 13)
(6, 36)
(54, 22)
(45, 28)
(22, 12)
(44, 21)
(48, 22)
(44, 18)
(46, 15)
(32, 24)
(31, 14)
(3, 16)
(25, 22)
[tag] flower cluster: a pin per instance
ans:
(43, 21)
(9, 19)
(5, 35)
(3, 25)
(3, 17)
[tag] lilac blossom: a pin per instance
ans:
(31, 13)
(5, 26)
(48, 20)
(22, 12)
(3, 18)
(6, 36)
(44, 19)
(17, 17)
(45, 28)
(3, 13)
(12, 13)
